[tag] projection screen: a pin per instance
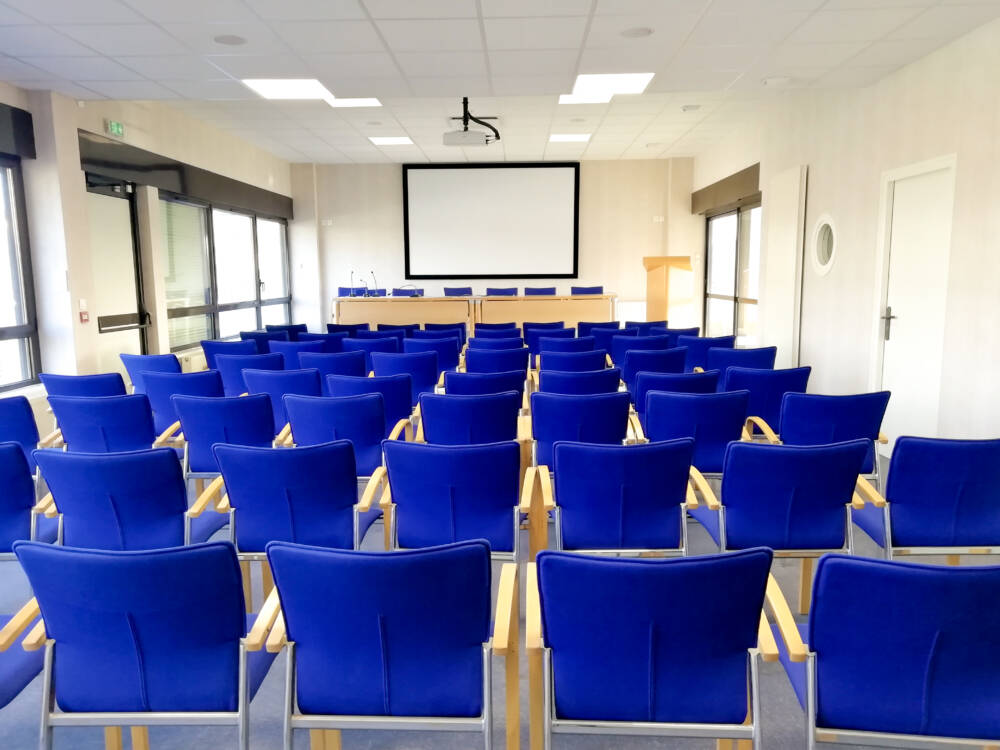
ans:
(495, 221)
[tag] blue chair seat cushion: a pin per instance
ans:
(871, 521)
(205, 525)
(17, 667)
(258, 662)
(707, 518)
(46, 530)
(796, 670)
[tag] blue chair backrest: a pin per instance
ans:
(586, 290)
(136, 365)
(497, 333)
(246, 420)
(539, 291)
(140, 603)
(600, 418)
(789, 497)
(698, 348)
(160, 386)
(712, 419)
(279, 383)
(505, 291)
(211, 349)
(384, 333)
(454, 332)
(585, 328)
(104, 384)
(348, 328)
(673, 333)
(291, 350)
(231, 367)
(104, 424)
(367, 346)
(481, 383)
(376, 292)
(722, 358)
(332, 342)
(488, 360)
(397, 292)
(422, 367)
(581, 383)
(263, 339)
(446, 350)
(118, 501)
(460, 327)
(305, 495)
(294, 330)
(359, 419)
(458, 291)
(336, 363)
(565, 344)
(463, 420)
(929, 649)
(813, 419)
(496, 342)
(622, 497)
(17, 425)
(944, 492)
(551, 325)
(660, 668)
(494, 326)
(454, 493)
(330, 600)
(18, 495)
(406, 328)
(620, 345)
(532, 336)
(651, 360)
(767, 388)
(604, 336)
(395, 389)
(587, 361)
(352, 291)
(645, 327)
(680, 382)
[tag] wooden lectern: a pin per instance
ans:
(669, 283)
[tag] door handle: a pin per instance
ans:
(888, 318)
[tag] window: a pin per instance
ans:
(227, 271)
(732, 275)
(19, 360)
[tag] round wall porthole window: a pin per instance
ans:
(824, 245)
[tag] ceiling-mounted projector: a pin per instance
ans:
(466, 137)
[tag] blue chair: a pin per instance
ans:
(359, 419)
(464, 420)
(565, 344)
(104, 384)
(440, 333)
(231, 367)
(532, 336)
(722, 358)
(263, 339)
(460, 327)
(161, 386)
(601, 418)
(452, 493)
(136, 365)
(352, 291)
(276, 384)
(488, 360)
(580, 383)
(673, 333)
(349, 328)
(497, 333)
(482, 383)
(134, 500)
(714, 420)
(384, 333)
(376, 292)
(406, 328)
(684, 382)
(539, 291)
(18, 667)
(18, 519)
(306, 495)
(104, 424)
(645, 328)
(651, 360)
(291, 350)
(663, 674)
(767, 389)
(698, 347)
(458, 291)
(496, 342)
(246, 420)
(493, 326)
(604, 336)
(396, 394)
(398, 292)
(424, 665)
(621, 345)
(504, 291)
(17, 425)
(367, 346)
(446, 350)
(586, 361)
(213, 348)
(337, 363)
(586, 290)
(422, 367)
(585, 328)
(332, 342)
(294, 330)
(928, 653)
(165, 638)
(552, 325)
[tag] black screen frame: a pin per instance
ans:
(575, 165)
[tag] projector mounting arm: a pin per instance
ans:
(468, 117)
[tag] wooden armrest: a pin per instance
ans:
(385, 502)
(16, 624)
(418, 436)
(166, 435)
(371, 373)
(637, 432)
(524, 434)
(764, 427)
(697, 369)
(786, 623)
(213, 489)
(45, 506)
(440, 382)
(765, 640)
(507, 617)
(52, 440)
(223, 505)
(533, 381)
(283, 436)
(867, 493)
(882, 437)
(403, 427)
(545, 485)
(527, 489)
(277, 639)
(36, 638)
(691, 501)
(526, 399)
(701, 485)
(608, 360)
(374, 482)
(857, 502)
(532, 610)
(265, 619)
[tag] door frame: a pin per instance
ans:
(948, 162)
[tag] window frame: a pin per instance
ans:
(742, 214)
(28, 331)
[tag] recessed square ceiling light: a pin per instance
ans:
(569, 137)
(390, 140)
(288, 88)
(598, 88)
(335, 102)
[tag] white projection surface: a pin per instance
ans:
(491, 222)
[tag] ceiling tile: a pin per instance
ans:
(716, 57)
(606, 31)
(692, 80)
(442, 63)
(66, 88)
(850, 77)
(37, 41)
(851, 25)
(174, 67)
(746, 27)
(431, 36)
(815, 55)
(894, 52)
(354, 87)
(200, 38)
(515, 8)
(533, 85)
(946, 22)
(612, 60)
(323, 36)
(450, 86)
(535, 33)
(262, 66)
(307, 10)
(133, 90)
(766, 6)
(125, 39)
(211, 90)
(663, 7)
(75, 11)
(193, 11)
(359, 64)
(423, 9)
(10, 17)
(540, 62)
(15, 70)
(84, 68)
(867, 4)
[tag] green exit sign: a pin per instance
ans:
(115, 128)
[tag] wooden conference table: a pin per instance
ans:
(472, 310)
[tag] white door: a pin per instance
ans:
(912, 321)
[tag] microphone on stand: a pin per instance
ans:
(375, 282)
(366, 294)
(351, 293)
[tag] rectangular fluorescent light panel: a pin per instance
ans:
(390, 140)
(598, 88)
(569, 137)
(335, 102)
(288, 88)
